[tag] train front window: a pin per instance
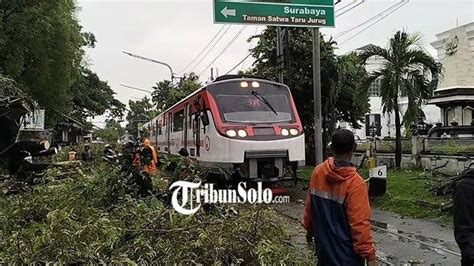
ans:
(267, 103)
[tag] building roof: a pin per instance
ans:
(363, 47)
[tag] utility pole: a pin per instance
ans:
(287, 57)
(318, 130)
(280, 53)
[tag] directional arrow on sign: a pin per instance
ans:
(228, 12)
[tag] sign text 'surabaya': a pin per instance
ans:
(302, 13)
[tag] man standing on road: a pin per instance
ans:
(337, 211)
(464, 217)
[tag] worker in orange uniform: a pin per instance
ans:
(337, 211)
(149, 158)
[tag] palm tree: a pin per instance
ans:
(407, 70)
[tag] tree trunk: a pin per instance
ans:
(398, 138)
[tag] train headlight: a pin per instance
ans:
(244, 84)
(285, 132)
(294, 132)
(231, 133)
(255, 84)
(242, 133)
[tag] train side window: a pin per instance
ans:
(178, 121)
(160, 130)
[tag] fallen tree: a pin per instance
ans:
(92, 215)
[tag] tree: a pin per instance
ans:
(339, 79)
(166, 95)
(140, 112)
(92, 97)
(8, 7)
(348, 105)
(112, 131)
(407, 70)
(41, 47)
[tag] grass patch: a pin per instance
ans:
(306, 172)
(407, 195)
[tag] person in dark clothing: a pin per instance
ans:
(464, 217)
(87, 154)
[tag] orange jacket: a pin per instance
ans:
(151, 168)
(337, 212)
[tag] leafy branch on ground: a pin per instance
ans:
(92, 216)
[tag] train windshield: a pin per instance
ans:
(253, 102)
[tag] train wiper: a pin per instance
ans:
(264, 100)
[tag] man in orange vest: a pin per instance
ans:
(337, 211)
(149, 158)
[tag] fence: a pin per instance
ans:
(449, 146)
(385, 145)
(447, 155)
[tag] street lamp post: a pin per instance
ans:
(135, 88)
(153, 61)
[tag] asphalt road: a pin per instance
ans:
(399, 240)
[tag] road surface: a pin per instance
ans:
(399, 240)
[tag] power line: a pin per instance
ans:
(368, 20)
(342, 8)
(225, 49)
(203, 50)
(209, 51)
(243, 60)
(380, 17)
(251, 45)
(375, 22)
(248, 55)
(344, 12)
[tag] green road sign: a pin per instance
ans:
(296, 13)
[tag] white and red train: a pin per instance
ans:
(249, 126)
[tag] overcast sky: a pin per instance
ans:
(175, 31)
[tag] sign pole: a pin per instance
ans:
(318, 130)
(280, 59)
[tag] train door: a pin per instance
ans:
(197, 133)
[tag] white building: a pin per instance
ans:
(386, 121)
(455, 94)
